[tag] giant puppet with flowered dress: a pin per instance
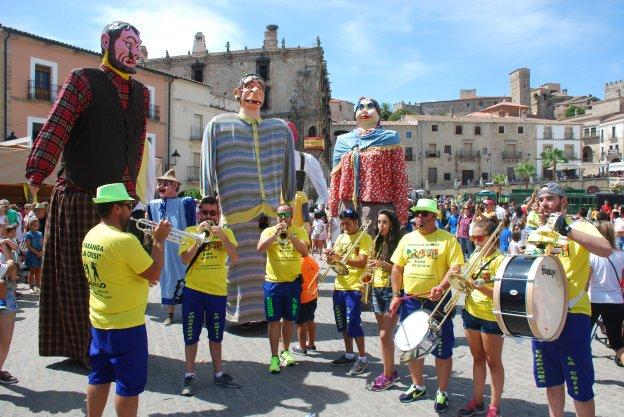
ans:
(97, 127)
(369, 167)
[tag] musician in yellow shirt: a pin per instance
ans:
(118, 271)
(204, 296)
(284, 244)
(422, 261)
(347, 297)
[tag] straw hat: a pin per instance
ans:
(169, 176)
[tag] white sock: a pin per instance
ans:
(418, 387)
(362, 359)
(442, 392)
(191, 374)
(349, 355)
(218, 374)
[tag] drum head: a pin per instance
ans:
(546, 298)
(411, 331)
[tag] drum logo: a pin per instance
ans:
(549, 272)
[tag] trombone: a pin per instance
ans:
(340, 266)
(176, 236)
(462, 283)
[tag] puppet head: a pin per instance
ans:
(250, 93)
(367, 113)
(121, 46)
(168, 185)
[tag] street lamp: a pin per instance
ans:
(489, 160)
(173, 160)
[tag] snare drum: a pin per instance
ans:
(530, 297)
(414, 338)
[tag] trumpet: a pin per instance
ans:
(283, 237)
(340, 266)
(148, 226)
(462, 283)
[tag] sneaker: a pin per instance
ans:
(358, 367)
(473, 408)
(493, 412)
(311, 348)
(618, 362)
(226, 380)
(274, 365)
(412, 394)
(7, 379)
(3, 305)
(383, 382)
(441, 403)
(297, 350)
(287, 358)
(168, 321)
(188, 389)
(343, 360)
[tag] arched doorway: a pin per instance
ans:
(312, 131)
(588, 154)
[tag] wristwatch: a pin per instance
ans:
(396, 294)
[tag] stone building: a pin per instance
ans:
(297, 87)
(468, 102)
(520, 83)
(544, 99)
(341, 110)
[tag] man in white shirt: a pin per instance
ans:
(618, 225)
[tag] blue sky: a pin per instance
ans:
(390, 50)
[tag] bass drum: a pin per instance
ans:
(414, 338)
(530, 297)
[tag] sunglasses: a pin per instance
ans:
(129, 205)
(422, 213)
(284, 214)
(479, 238)
(210, 212)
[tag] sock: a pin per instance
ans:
(418, 387)
(218, 374)
(349, 355)
(362, 359)
(442, 392)
(191, 374)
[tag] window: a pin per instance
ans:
(447, 149)
(613, 132)
(34, 125)
(265, 105)
(458, 129)
(408, 153)
(42, 82)
(197, 129)
(434, 128)
(312, 131)
(501, 129)
(467, 104)
(520, 130)
(408, 135)
(586, 132)
(477, 130)
(480, 104)
(262, 67)
(433, 175)
(340, 107)
(198, 74)
(447, 176)
(484, 151)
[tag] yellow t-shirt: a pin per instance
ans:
(575, 261)
(477, 303)
(489, 215)
(533, 219)
(381, 277)
(283, 261)
(112, 261)
(208, 273)
(352, 280)
(297, 206)
(426, 259)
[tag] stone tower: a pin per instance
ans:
(270, 37)
(520, 81)
(199, 45)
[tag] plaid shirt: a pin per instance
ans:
(72, 102)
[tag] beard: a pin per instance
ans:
(112, 59)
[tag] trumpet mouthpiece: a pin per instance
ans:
(479, 282)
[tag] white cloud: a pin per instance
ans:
(172, 25)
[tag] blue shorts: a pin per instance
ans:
(281, 300)
(382, 297)
(444, 349)
(567, 359)
(199, 308)
(347, 312)
(119, 355)
(484, 326)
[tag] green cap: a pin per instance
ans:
(425, 204)
(111, 193)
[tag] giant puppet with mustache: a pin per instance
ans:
(368, 171)
(97, 128)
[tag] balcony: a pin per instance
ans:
(42, 92)
(192, 173)
(591, 139)
(196, 134)
(512, 155)
(613, 139)
(432, 154)
(568, 136)
(547, 135)
(467, 155)
(154, 112)
(613, 154)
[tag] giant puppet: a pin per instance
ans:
(369, 167)
(98, 124)
(249, 162)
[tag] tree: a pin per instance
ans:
(396, 115)
(386, 111)
(525, 170)
(573, 110)
(193, 192)
(498, 180)
(552, 157)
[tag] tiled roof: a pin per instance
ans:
(486, 119)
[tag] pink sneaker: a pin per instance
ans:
(383, 382)
(493, 412)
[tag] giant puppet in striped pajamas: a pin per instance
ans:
(368, 167)
(249, 162)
